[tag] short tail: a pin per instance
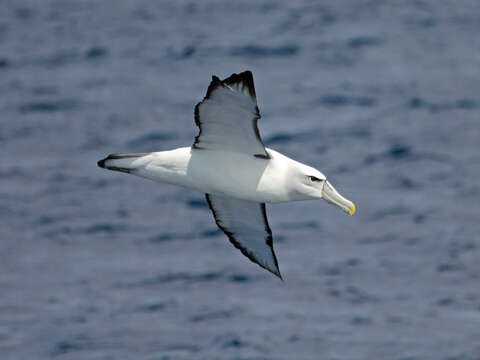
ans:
(121, 162)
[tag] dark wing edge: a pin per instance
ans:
(245, 251)
(245, 81)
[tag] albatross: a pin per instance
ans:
(230, 164)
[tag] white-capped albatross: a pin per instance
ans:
(238, 174)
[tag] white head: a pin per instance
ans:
(312, 184)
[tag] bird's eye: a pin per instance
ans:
(313, 178)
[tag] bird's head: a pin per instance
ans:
(312, 184)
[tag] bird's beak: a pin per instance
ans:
(332, 196)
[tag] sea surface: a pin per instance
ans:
(381, 96)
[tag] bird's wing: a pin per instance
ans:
(227, 117)
(246, 225)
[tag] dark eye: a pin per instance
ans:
(313, 178)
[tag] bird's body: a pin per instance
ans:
(229, 163)
(223, 173)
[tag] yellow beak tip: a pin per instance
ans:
(352, 210)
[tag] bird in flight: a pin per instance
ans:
(230, 164)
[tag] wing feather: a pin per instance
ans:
(246, 225)
(227, 117)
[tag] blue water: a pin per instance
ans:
(383, 97)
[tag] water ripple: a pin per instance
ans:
(265, 51)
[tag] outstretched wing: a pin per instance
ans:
(227, 117)
(246, 225)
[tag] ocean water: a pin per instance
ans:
(381, 96)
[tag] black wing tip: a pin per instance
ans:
(279, 275)
(252, 258)
(245, 77)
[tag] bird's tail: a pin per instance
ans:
(122, 162)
